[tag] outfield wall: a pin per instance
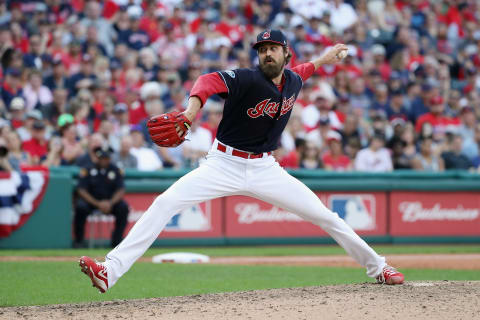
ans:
(397, 207)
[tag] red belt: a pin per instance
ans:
(241, 154)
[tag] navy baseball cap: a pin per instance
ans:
(273, 36)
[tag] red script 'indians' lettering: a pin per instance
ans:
(271, 108)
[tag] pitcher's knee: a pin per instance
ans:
(167, 203)
(325, 217)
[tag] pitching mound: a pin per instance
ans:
(413, 300)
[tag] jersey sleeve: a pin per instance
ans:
(208, 85)
(304, 70)
(237, 81)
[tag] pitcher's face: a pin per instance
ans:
(272, 59)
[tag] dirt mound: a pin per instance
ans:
(413, 300)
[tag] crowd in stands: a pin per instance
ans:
(76, 75)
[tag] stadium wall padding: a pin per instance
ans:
(50, 225)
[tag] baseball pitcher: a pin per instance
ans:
(258, 104)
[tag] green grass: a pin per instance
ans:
(37, 283)
(258, 251)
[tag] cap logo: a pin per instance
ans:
(266, 35)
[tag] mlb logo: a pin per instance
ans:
(358, 210)
(196, 218)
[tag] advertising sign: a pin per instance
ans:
(435, 214)
(249, 217)
(201, 220)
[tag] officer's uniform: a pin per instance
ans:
(102, 184)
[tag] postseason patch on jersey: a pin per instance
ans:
(230, 73)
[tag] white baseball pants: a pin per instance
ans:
(222, 175)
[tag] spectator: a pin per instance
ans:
(35, 93)
(106, 129)
(148, 63)
(89, 158)
(121, 126)
(85, 78)
(17, 112)
(399, 159)
(74, 58)
(104, 28)
(381, 101)
(214, 116)
(374, 158)
(91, 46)
(318, 136)
(454, 159)
(342, 15)
(71, 147)
(476, 160)
(36, 56)
(198, 142)
(352, 148)
(5, 165)
(310, 157)
(147, 159)
(381, 64)
(426, 160)
(81, 109)
(37, 146)
(358, 96)
(380, 124)
(467, 131)
(420, 105)
(26, 130)
(436, 118)
(334, 159)
(58, 78)
(137, 38)
(57, 107)
(408, 136)
(396, 107)
(123, 159)
(16, 156)
(54, 155)
(350, 130)
(100, 187)
(292, 159)
(321, 108)
(12, 86)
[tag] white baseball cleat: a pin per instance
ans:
(96, 271)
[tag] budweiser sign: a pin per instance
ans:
(414, 211)
(250, 213)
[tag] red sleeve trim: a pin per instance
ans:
(304, 70)
(208, 85)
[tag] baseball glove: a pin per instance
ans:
(163, 129)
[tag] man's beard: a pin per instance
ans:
(271, 69)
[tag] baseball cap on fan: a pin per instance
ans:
(273, 36)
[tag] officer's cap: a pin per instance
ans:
(103, 152)
(272, 36)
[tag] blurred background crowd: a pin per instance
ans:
(78, 75)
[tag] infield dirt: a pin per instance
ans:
(413, 300)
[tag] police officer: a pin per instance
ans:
(101, 187)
